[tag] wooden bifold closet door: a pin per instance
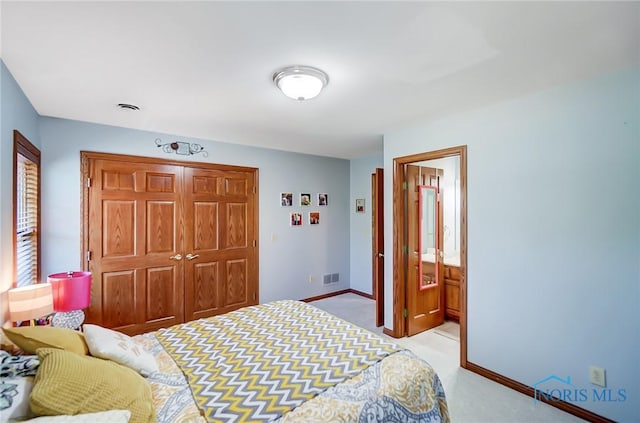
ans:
(167, 242)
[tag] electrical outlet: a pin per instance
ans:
(311, 278)
(597, 376)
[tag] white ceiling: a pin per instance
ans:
(203, 69)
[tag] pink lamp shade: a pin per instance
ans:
(30, 302)
(71, 290)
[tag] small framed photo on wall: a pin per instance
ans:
(323, 199)
(305, 199)
(314, 218)
(359, 205)
(295, 219)
(286, 199)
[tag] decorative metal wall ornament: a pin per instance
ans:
(179, 147)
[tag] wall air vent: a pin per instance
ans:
(127, 106)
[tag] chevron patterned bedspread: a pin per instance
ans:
(290, 361)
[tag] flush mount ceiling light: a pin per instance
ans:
(300, 82)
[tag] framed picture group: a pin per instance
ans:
(304, 199)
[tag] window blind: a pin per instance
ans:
(26, 221)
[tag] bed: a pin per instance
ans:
(285, 361)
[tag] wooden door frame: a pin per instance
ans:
(399, 271)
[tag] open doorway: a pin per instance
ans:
(448, 278)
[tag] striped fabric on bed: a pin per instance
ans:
(257, 363)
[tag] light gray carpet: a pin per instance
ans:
(449, 329)
(471, 398)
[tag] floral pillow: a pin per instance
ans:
(115, 346)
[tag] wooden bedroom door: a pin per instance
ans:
(220, 241)
(134, 244)
(425, 307)
(377, 244)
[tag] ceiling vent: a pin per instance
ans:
(127, 106)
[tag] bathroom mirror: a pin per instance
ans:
(448, 183)
(428, 237)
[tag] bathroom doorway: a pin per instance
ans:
(447, 179)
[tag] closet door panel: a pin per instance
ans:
(160, 287)
(202, 278)
(205, 226)
(236, 282)
(205, 290)
(235, 230)
(160, 231)
(225, 206)
(160, 182)
(119, 220)
(236, 184)
(119, 290)
(135, 234)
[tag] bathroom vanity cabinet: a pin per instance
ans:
(452, 292)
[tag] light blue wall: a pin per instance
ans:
(553, 212)
(16, 112)
(288, 255)
(360, 223)
(553, 232)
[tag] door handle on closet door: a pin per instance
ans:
(380, 254)
(177, 257)
(192, 256)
